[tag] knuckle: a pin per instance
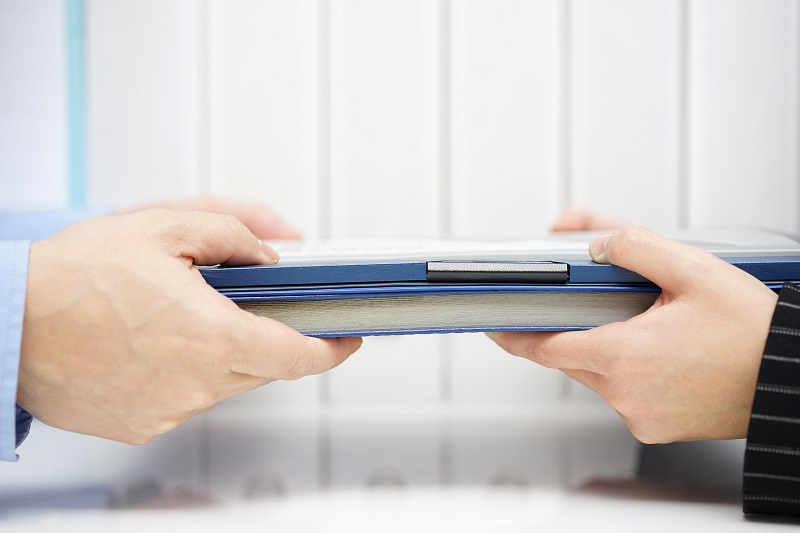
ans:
(142, 433)
(158, 218)
(238, 230)
(199, 398)
(296, 367)
(138, 439)
(647, 434)
(623, 241)
(622, 406)
(625, 402)
(644, 421)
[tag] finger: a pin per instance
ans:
(578, 219)
(569, 350)
(272, 350)
(261, 220)
(210, 239)
(669, 264)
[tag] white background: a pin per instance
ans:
(467, 118)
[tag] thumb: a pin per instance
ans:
(666, 262)
(210, 239)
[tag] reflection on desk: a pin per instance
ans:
(626, 505)
(595, 486)
(682, 487)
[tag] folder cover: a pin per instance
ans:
(354, 287)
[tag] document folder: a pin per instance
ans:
(354, 287)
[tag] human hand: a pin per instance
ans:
(578, 219)
(686, 368)
(258, 218)
(123, 339)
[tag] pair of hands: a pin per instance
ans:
(686, 369)
(122, 337)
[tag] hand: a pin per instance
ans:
(259, 219)
(123, 339)
(685, 369)
(577, 219)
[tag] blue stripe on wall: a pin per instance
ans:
(76, 103)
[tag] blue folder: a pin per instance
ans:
(413, 289)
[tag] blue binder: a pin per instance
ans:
(444, 286)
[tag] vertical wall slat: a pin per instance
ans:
(33, 112)
(384, 118)
(264, 107)
(505, 118)
(625, 115)
(142, 100)
(744, 121)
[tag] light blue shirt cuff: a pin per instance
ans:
(13, 281)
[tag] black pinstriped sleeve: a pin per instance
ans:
(772, 459)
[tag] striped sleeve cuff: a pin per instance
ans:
(771, 482)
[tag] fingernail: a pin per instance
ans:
(597, 248)
(272, 255)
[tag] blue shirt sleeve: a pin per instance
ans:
(13, 278)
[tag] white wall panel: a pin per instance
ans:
(384, 117)
(142, 104)
(744, 113)
(263, 129)
(33, 104)
(505, 117)
(625, 75)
